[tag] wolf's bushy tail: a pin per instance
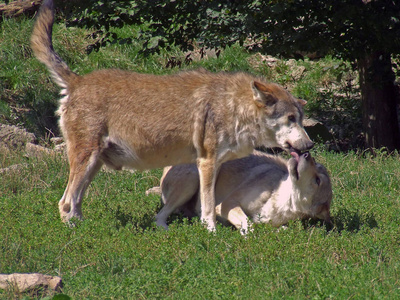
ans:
(42, 46)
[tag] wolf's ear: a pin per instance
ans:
(302, 102)
(263, 96)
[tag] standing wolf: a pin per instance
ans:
(143, 121)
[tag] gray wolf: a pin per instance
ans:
(142, 121)
(259, 187)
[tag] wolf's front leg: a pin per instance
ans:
(207, 173)
(230, 210)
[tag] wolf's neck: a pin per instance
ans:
(287, 204)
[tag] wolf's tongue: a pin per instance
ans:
(295, 155)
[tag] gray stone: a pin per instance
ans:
(31, 281)
(15, 137)
(155, 190)
(316, 130)
(33, 150)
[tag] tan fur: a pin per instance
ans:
(142, 121)
(260, 187)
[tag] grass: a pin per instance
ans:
(118, 253)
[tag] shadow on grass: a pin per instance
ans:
(307, 223)
(344, 220)
(122, 218)
(139, 221)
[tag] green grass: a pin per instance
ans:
(118, 253)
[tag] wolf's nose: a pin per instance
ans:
(309, 145)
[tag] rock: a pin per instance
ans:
(57, 140)
(316, 130)
(155, 190)
(12, 168)
(33, 150)
(298, 72)
(58, 144)
(269, 60)
(61, 148)
(31, 281)
(21, 7)
(15, 137)
(200, 53)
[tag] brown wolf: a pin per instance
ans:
(142, 121)
(262, 187)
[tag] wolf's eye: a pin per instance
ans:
(292, 118)
(317, 180)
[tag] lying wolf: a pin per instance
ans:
(143, 121)
(262, 187)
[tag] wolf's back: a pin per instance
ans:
(42, 46)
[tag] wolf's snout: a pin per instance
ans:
(326, 217)
(300, 147)
(308, 145)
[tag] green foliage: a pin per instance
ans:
(118, 253)
(346, 28)
(21, 102)
(336, 89)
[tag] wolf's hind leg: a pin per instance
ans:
(231, 211)
(83, 168)
(180, 186)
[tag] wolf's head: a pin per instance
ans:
(282, 117)
(311, 186)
